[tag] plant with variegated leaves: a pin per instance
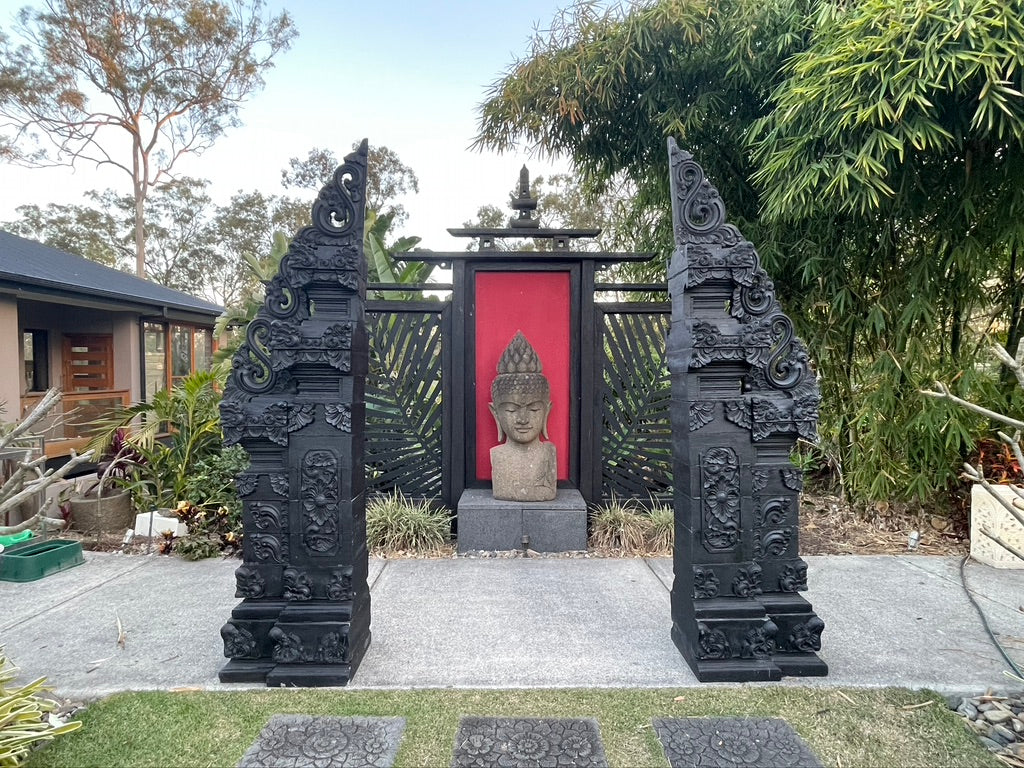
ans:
(25, 716)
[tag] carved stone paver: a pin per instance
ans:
(302, 741)
(727, 742)
(485, 742)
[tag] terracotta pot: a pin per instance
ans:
(108, 513)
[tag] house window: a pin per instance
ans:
(174, 352)
(155, 352)
(88, 362)
(36, 353)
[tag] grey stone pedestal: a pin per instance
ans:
(485, 523)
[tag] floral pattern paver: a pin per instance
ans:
(301, 741)
(486, 742)
(728, 742)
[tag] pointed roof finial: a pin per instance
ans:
(524, 202)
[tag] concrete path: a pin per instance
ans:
(505, 623)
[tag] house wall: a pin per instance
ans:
(127, 353)
(58, 319)
(11, 382)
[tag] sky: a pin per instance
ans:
(401, 73)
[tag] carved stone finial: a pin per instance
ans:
(519, 371)
(519, 357)
(524, 202)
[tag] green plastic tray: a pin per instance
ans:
(35, 559)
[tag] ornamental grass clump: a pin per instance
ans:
(620, 525)
(662, 534)
(396, 523)
(25, 719)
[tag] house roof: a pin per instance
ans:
(33, 270)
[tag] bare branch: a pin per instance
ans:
(942, 392)
(43, 482)
(50, 399)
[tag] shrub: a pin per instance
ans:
(189, 415)
(619, 525)
(662, 534)
(396, 523)
(24, 716)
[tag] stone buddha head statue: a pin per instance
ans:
(520, 394)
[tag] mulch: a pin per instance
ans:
(828, 526)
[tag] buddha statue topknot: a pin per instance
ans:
(523, 468)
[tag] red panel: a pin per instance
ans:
(536, 303)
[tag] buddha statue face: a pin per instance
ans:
(520, 394)
(522, 416)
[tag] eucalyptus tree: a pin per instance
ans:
(387, 178)
(131, 84)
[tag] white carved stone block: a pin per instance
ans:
(988, 513)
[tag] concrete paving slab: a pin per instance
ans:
(21, 601)
(170, 616)
(294, 741)
(170, 610)
(528, 742)
(903, 621)
(737, 742)
(510, 623)
(505, 623)
(662, 567)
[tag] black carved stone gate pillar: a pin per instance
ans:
(295, 403)
(742, 392)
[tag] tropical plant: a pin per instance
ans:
(403, 402)
(384, 260)
(636, 437)
(174, 433)
(25, 716)
(396, 523)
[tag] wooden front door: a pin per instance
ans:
(88, 362)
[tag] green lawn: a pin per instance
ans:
(848, 727)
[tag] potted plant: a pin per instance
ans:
(106, 505)
(180, 466)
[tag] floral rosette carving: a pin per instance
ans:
(340, 585)
(806, 637)
(793, 577)
(332, 648)
(319, 496)
(759, 642)
(339, 416)
(748, 581)
(721, 499)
